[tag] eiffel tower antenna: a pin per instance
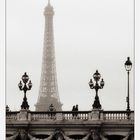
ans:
(49, 2)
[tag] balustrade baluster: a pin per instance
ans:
(116, 116)
(121, 116)
(125, 116)
(112, 118)
(109, 116)
(71, 116)
(105, 117)
(66, 116)
(82, 116)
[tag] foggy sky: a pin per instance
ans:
(88, 35)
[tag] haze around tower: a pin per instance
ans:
(88, 36)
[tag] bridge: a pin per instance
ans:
(70, 125)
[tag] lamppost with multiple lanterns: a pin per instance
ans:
(97, 86)
(25, 85)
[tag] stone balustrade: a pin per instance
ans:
(11, 115)
(70, 115)
(115, 115)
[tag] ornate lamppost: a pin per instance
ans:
(25, 88)
(7, 108)
(128, 67)
(97, 86)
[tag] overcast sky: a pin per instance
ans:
(88, 35)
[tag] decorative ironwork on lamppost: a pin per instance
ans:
(128, 67)
(27, 86)
(97, 86)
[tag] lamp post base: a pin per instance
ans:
(25, 104)
(96, 104)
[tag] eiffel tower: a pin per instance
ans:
(48, 92)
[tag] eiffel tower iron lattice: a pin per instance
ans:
(48, 92)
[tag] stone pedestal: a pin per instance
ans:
(23, 115)
(95, 114)
(132, 116)
(59, 116)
